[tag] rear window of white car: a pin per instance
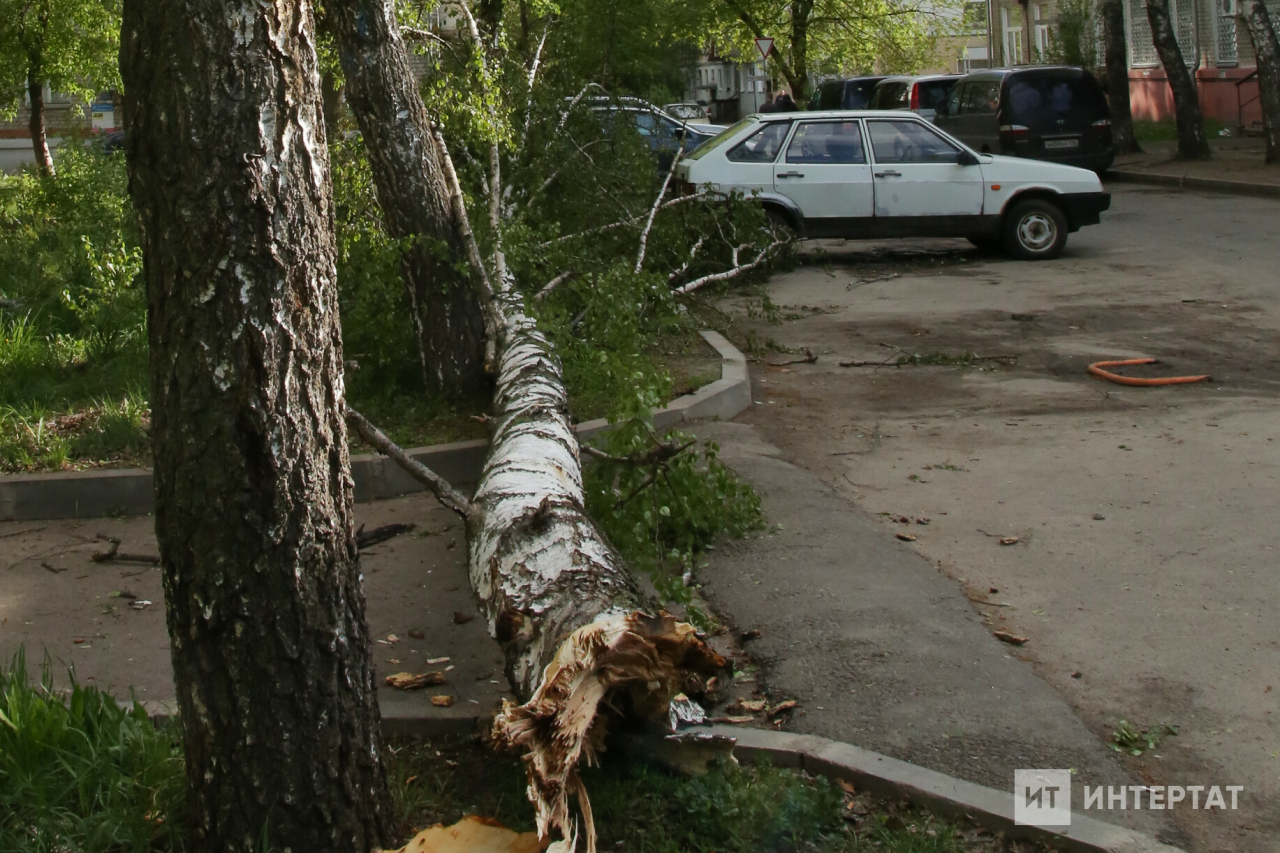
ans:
(719, 139)
(761, 146)
(905, 141)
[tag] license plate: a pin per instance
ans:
(1062, 143)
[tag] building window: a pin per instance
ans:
(975, 18)
(1011, 24)
(1040, 16)
(1226, 46)
(1181, 14)
(1141, 49)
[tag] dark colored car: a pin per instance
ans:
(663, 133)
(851, 94)
(113, 142)
(1046, 113)
(920, 95)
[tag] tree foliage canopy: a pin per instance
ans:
(827, 36)
(72, 46)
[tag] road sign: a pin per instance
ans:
(765, 47)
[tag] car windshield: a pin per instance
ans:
(1040, 99)
(720, 139)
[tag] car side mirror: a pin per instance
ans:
(966, 158)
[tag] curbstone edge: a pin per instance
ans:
(1186, 182)
(129, 491)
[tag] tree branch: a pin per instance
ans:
(445, 493)
(492, 321)
(564, 116)
(684, 268)
(653, 211)
(656, 455)
(736, 269)
(621, 223)
(553, 284)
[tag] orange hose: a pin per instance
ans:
(1096, 370)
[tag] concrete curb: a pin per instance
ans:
(95, 494)
(944, 795)
(1185, 182)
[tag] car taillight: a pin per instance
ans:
(915, 97)
(1011, 133)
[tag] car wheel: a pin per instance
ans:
(1035, 230)
(781, 224)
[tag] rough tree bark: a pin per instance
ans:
(1193, 143)
(229, 172)
(1266, 50)
(408, 176)
(1117, 77)
(39, 138)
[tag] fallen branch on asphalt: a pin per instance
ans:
(379, 534)
(113, 554)
(809, 358)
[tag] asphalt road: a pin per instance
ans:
(1144, 575)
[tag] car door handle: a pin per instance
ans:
(888, 173)
(790, 175)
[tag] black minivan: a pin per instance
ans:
(1053, 113)
(851, 94)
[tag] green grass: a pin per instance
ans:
(640, 807)
(80, 773)
(1147, 132)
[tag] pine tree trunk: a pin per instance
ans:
(1193, 143)
(39, 138)
(1266, 50)
(408, 176)
(229, 173)
(1117, 77)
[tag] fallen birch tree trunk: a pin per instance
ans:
(571, 620)
(573, 625)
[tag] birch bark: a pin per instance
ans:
(229, 173)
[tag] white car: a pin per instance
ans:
(870, 174)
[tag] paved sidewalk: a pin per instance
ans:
(881, 648)
(1236, 161)
(88, 615)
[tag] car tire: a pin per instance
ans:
(781, 223)
(1035, 230)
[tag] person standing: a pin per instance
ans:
(768, 106)
(783, 103)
